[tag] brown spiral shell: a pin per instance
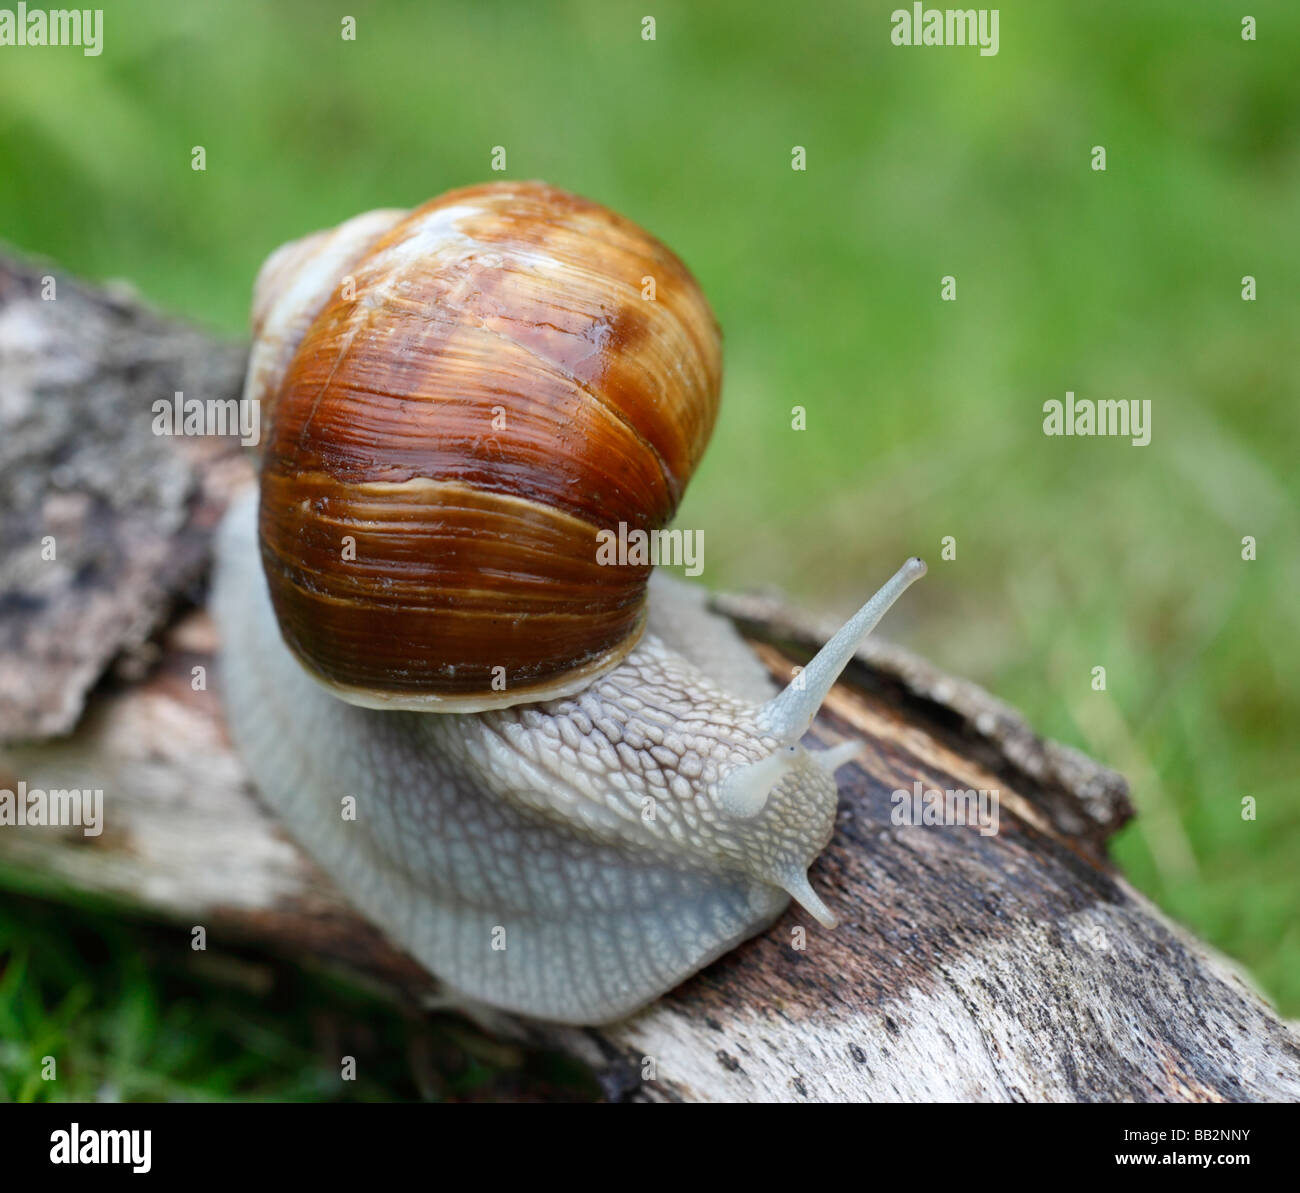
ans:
(457, 400)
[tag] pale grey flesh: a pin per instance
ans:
(567, 861)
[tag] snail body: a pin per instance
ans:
(627, 805)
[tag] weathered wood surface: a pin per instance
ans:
(130, 513)
(1010, 966)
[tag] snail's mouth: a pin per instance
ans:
(788, 800)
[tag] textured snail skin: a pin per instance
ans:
(614, 842)
(532, 819)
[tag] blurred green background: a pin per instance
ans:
(924, 417)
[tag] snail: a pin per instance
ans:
(562, 787)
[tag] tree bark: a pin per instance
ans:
(1015, 965)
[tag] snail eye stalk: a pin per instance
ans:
(788, 715)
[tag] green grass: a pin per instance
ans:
(128, 1013)
(924, 417)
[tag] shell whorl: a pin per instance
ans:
(458, 399)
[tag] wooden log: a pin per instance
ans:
(967, 965)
